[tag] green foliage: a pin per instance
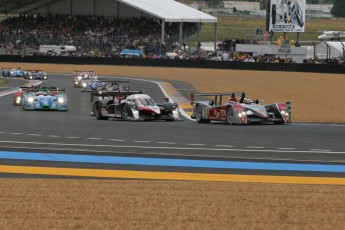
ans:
(338, 9)
(213, 3)
(3, 82)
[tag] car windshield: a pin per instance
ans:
(145, 101)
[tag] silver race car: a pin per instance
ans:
(235, 108)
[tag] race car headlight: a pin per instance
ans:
(61, 100)
(284, 113)
(135, 114)
(18, 99)
(241, 114)
(79, 77)
(84, 85)
(31, 99)
(175, 112)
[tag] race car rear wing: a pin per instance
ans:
(83, 71)
(217, 98)
(114, 93)
(31, 88)
(49, 88)
(79, 72)
(34, 70)
(123, 84)
(115, 82)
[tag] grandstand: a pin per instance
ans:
(162, 13)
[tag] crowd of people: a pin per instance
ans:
(107, 36)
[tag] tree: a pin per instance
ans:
(338, 9)
(263, 5)
(214, 3)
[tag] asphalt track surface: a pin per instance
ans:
(74, 139)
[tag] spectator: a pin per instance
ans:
(225, 56)
(270, 36)
(198, 45)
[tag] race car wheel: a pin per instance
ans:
(279, 122)
(125, 112)
(229, 115)
(98, 112)
(198, 115)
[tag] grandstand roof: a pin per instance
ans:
(169, 10)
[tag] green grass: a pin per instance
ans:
(244, 27)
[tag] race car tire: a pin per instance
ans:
(229, 115)
(125, 112)
(198, 115)
(98, 112)
(278, 122)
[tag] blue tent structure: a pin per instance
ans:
(127, 53)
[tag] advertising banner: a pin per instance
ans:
(287, 15)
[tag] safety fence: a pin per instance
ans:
(289, 67)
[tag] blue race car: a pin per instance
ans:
(81, 78)
(35, 75)
(98, 85)
(46, 98)
(12, 72)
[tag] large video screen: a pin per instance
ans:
(287, 15)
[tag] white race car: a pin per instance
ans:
(132, 105)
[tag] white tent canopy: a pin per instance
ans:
(330, 49)
(172, 11)
(169, 10)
